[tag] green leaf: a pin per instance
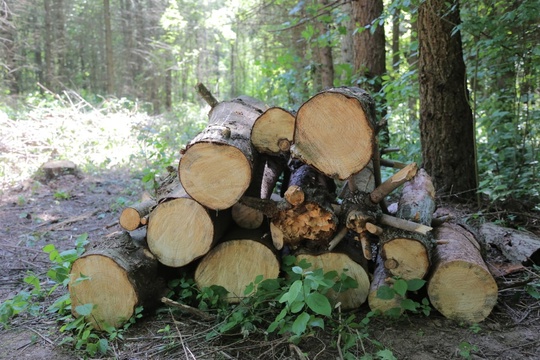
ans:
(316, 322)
(400, 287)
(319, 304)
(408, 304)
(385, 292)
(386, 354)
(103, 346)
(297, 306)
(294, 291)
(84, 310)
(415, 284)
(299, 325)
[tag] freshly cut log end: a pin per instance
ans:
(307, 222)
(273, 131)
(246, 217)
(334, 134)
(182, 230)
(216, 175)
(115, 281)
(234, 264)
(132, 217)
(462, 291)
(339, 262)
(406, 257)
(461, 286)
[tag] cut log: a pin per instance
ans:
(382, 277)
(417, 201)
(216, 166)
(461, 286)
(405, 253)
(340, 262)
(335, 132)
(181, 230)
(393, 182)
(519, 247)
(133, 217)
(311, 215)
(273, 131)
(237, 261)
(244, 216)
(116, 277)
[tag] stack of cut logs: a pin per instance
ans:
(261, 182)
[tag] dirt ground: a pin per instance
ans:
(33, 214)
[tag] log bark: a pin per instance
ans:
(216, 166)
(382, 277)
(311, 216)
(461, 286)
(244, 216)
(341, 262)
(405, 253)
(519, 247)
(116, 277)
(135, 216)
(335, 132)
(273, 131)
(181, 230)
(236, 261)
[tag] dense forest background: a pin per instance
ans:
(152, 52)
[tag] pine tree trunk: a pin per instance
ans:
(446, 123)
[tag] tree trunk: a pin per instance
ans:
(370, 52)
(461, 286)
(216, 167)
(108, 47)
(181, 230)
(335, 132)
(116, 277)
(236, 261)
(446, 123)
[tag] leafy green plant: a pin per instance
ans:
(61, 195)
(399, 288)
(465, 349)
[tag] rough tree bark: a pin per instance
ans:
(446, 122)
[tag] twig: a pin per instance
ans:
(38, 334)
(337, 239)
(187, 309)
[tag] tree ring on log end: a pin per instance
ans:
(463, 291)
(333, 134)
(215, 174)
(115, 302)
(409, 258)
(245, 259)
(339, 262)
(179, 231)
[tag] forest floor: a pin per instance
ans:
(34, 213)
